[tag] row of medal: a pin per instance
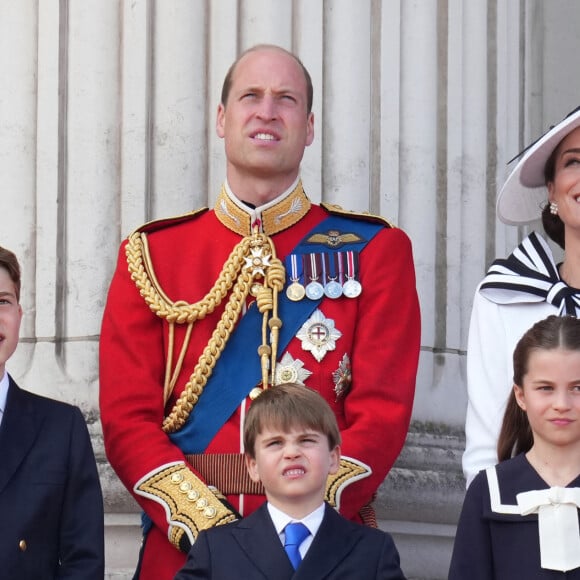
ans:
(330, 274)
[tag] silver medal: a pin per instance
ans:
(315, 290)
(333, 289)
(352, 288)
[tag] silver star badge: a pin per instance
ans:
(291, 370)
(318, 335)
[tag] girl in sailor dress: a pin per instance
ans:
(520, 518)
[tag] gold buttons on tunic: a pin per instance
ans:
(201, 504)
(22, 545)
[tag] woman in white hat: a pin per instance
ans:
(528, 285)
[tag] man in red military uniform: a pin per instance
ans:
(207, 309)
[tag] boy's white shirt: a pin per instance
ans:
(312, 521)
(3, 394)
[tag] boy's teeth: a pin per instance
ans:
(294, 472)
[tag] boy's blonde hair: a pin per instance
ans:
(9, 262)
(288, 406)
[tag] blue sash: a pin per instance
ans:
(238, 369)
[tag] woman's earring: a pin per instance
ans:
(553, 208)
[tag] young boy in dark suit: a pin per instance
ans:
(51, 507)
(292, 444)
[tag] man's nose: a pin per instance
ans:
(267, 109)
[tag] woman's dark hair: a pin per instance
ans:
(553, 225)
(549, 334)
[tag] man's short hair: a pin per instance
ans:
(226, 87)
(9, 262)
(288, 406)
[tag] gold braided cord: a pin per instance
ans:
(207, 360)
(170, 384)
(142, 273)
(246, 264)
(167, 387)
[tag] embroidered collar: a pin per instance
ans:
(273, 217)
(530, 274)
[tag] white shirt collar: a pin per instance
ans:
(4, 382)
(312, 521)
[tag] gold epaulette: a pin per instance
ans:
(159, 224)
(349, 471)
(338, 210)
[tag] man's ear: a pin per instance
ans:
(220, 121)
(310, 129)
(252, 467)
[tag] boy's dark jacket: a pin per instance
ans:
(251, 549)
(51, 506)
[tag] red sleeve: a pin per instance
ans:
(132, 368)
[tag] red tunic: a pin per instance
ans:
(380, 334)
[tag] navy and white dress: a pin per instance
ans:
(517, 292)
(493, 542)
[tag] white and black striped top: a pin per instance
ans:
(530, 274)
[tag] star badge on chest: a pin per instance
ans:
(318, 335)
(257, 262)
(342, 377)
(291, 370)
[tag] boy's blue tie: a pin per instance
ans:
(295, 534)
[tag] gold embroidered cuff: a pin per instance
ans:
(189, 504)
(349, 471)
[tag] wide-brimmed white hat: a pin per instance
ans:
(523, 195)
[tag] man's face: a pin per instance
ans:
(10, 316)
(265, 123)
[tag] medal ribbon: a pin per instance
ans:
(340, 260)
(312, 263)
(325, 268)
(292, 264)
(351, 265)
